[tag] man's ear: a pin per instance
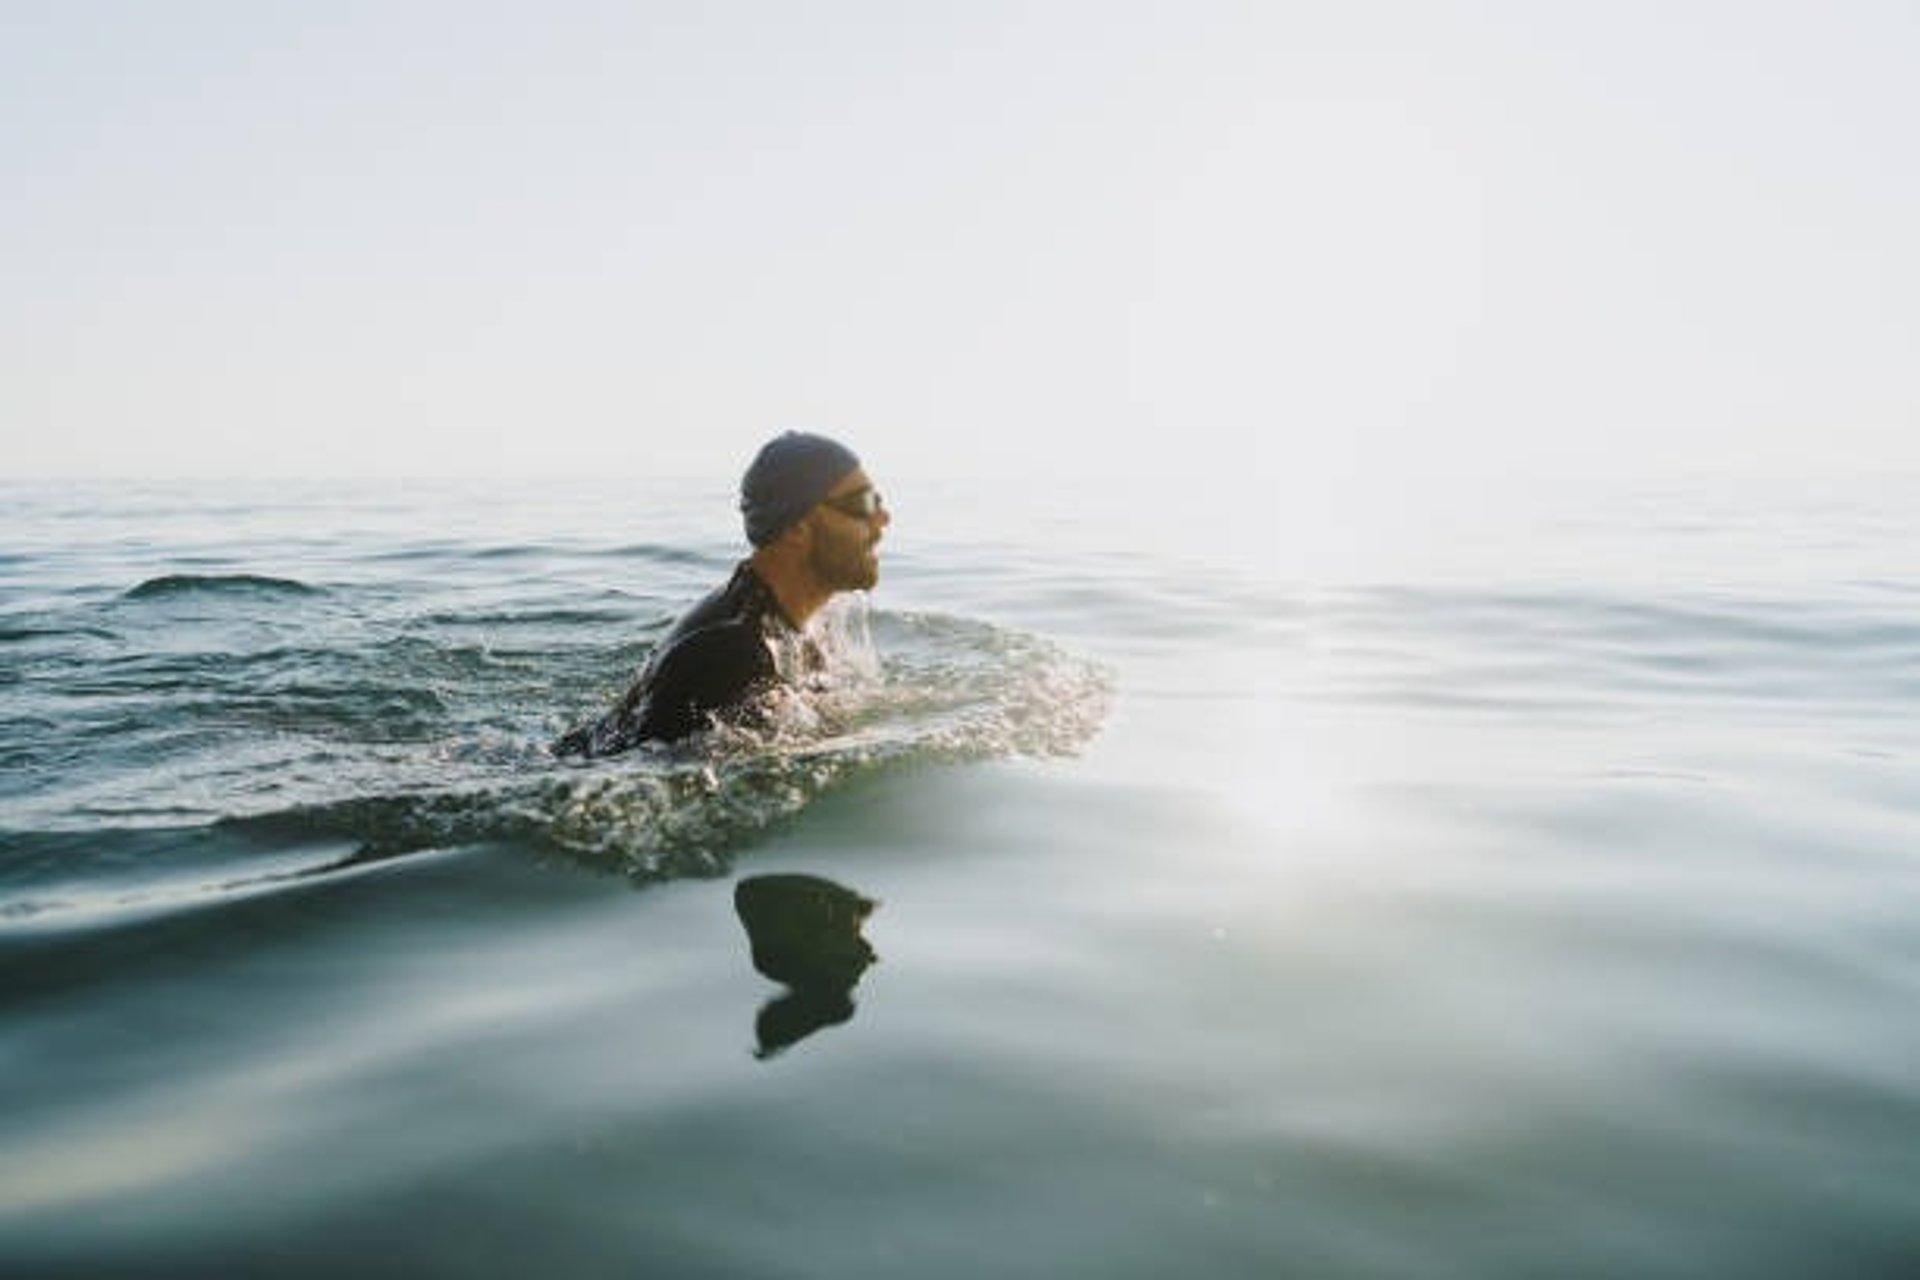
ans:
(799, 534)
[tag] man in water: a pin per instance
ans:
(814, 520)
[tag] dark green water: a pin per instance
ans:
(1514, 925)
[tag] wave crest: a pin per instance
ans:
(248, 584)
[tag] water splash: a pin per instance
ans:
(954, 692)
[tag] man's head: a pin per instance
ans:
(787, 479)
(808, 504)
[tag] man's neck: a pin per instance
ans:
(795, 589)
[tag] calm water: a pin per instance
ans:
(1423, 888)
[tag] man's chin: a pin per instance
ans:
(860, 577)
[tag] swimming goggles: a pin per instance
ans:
(861, 504)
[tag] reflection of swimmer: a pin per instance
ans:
(804, 932)
(814, 520)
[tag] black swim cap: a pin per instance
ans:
(788, 476)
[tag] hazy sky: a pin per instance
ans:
(1174, 239)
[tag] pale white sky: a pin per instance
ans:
(1168, 239)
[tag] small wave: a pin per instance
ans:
(181, 584)
(511, 551)
(44, 892)
(19, 634)
(644, 822)
(658, 553)
(561, 617)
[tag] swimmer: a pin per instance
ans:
(814, 520)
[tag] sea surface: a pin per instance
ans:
(1177, 878)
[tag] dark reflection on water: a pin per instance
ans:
(804, 931)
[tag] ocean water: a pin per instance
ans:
(1443, 884)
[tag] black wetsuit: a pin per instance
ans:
(716, 659)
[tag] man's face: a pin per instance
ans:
(843, 553)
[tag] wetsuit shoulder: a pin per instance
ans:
(714, 658)
(704, 671)
(742, 597)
